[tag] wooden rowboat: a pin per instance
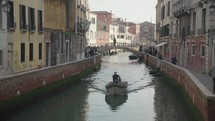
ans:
(119, 88)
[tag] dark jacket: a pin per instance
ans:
(116, 78)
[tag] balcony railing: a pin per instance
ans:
(23, 27)
(181, 5)
(83, 27)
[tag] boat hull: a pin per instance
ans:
(133, 57)
(116, 88)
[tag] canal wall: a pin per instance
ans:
(198, 95)
(22, 87)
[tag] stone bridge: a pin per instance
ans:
(132, 49)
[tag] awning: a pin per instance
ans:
(161, 44)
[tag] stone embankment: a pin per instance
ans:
(197, 94)
(24, 87)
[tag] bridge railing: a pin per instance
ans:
(117, 44)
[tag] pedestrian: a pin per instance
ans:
(159, 56)
(212, 73)
(114, 41)
(140, 48)
(174, 60)
(86, 53)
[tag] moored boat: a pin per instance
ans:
(133, 57)
(119, 88)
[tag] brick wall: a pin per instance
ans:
(196, 62)
(21, 83)
(202, 99)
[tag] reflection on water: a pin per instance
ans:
(168, 105)
(65, 105)
(148, 98)
(115, 100)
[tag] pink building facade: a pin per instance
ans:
(104, 16)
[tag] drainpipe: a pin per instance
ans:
(76, 29)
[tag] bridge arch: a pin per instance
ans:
(127, 48)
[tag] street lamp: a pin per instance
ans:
(212, 9)
(6, 7)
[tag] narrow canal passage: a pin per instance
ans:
(148, 98)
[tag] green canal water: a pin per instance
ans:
(148, 98)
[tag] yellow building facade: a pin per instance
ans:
(25, 35)
(59, 31)
(81, 27)
(64, 30)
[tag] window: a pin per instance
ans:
(194, 22)
(22, 52)
(31, 15)
(40, 21)
(40, 51)
(1, 58)
(31, 51)
(176, 28)
(0, 15)
(168, 11)
(62, 46)
(122, 36)
(22, 17)
(203, 51)
(67, 48)
(10, 22)
(118, 36)
(162, 12)
(204, 20)
(91, 35)
(104, 27)
(93, 20)
(193, 50)
(176, 48)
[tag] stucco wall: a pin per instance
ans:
(17, 36)
(55, 14)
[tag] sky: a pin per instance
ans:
(132, 10)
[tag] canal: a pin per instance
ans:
(148, 98)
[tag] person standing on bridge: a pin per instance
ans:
(114, 41)
(212, 73)
(174, 60)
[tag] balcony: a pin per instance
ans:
(83, 27)
(82, 7)
(181, 8)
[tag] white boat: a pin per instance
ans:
(119, 88)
